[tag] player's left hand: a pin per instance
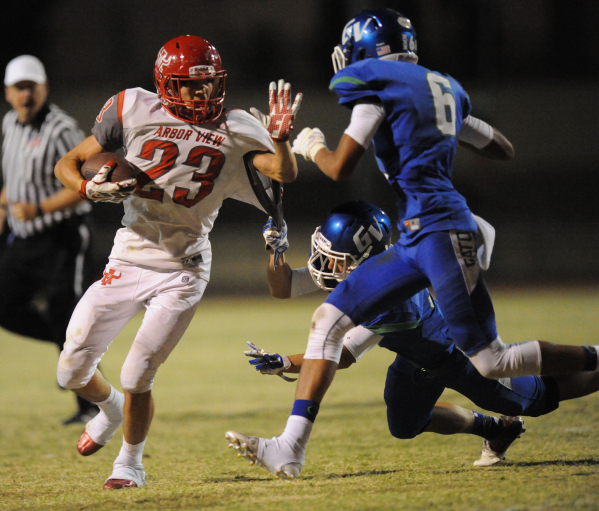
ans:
(23, 211)
(99, 189)
(268, 363)
(308, 143)
(277, 240)
(279, 122)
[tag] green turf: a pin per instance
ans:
(353, 463)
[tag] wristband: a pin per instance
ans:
(314, 149)
(82, 192)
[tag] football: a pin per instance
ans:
(123, 170)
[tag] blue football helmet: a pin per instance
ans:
(376, 34)
(349, 234)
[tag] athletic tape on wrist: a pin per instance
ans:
(314, 149)
(82, 191)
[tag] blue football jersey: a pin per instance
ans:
(416, 143)
(416, 330)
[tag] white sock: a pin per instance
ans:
(131, 454)
(297, 433)
(113, 405)
(104, 425)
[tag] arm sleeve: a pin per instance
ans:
(301, 282)
(360, 340)
(366, 118)
(476, 132)
(108, 128)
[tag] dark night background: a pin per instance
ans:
(531, 69)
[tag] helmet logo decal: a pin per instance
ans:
(164, 59)
(353, 29)
(198, 70)
(365, 241)
(404, 22)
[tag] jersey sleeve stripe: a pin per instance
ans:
(120, 101)
(348, 79)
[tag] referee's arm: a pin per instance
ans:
(68, 168)
(3, 206)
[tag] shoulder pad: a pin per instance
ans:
(244, 124)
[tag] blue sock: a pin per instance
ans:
(305, 408)
(486, 426)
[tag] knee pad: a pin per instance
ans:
(404, 428)
(500, 360)
(76, 368)
(140, 367)
(402, 431)
(329, 325)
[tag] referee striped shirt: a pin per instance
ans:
(29, 154)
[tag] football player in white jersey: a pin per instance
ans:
(189, 156)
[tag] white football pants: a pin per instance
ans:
(170, 299)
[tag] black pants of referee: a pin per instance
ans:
(41, 278)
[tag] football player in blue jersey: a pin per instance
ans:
(415, 117)
(427, 360)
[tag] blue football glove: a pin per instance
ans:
(277, 240)
(268, 363)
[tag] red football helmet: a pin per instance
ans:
(190, 61)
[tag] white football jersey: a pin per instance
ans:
(185, 173)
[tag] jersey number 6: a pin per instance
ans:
(444, 103)
(170, 152)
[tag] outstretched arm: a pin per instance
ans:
(275, 364)
(347, 359)
(280, 166)
(483, 139)
(341, 163)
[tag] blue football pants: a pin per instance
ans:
(447, 261)
(410, 395)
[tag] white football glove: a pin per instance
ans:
(279, 122)
(100, 190)
(277, 240)
(268, 363)
(309, 142)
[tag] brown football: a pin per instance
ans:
(123, 170)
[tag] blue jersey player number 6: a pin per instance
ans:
(444, 103)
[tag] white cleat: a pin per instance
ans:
(273, 455)
(494, 450)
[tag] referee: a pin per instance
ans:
(41, 268)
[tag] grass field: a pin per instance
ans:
(353, 463)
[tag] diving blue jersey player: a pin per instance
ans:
(427, 360)
(416, 118)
